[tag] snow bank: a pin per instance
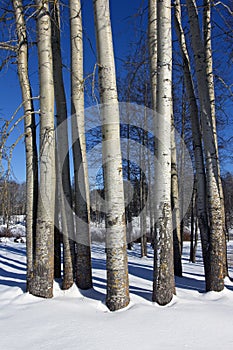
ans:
(76, 319)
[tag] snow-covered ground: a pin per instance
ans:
(80, 320)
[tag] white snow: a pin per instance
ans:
(76, 319)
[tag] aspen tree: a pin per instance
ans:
(117, 269)
(82, 201)
(202, 211)
(30, 137)
(163, 283)
(152, 40)
(216, 240)
(143, 223)
(207, 31)
(177, 239)
(62, 147)
(43, 273)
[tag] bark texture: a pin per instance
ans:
(62, 154)
(30, 137)
(201, 200)
(117, 269)
(143, 209)
(152, 41)
(216, 242)
(44, 259)
(82, 201)
(177, 239)
(210, 82)
(163, 283)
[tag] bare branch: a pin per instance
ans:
(225, 6)
(5, 46)
(228, 87)
(5, 61)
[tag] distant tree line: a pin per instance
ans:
(12, 199)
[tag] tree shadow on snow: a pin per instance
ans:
(12, 263)
(99, 264)
(190, 283)
(13, 250)
(12, 271)
(93, 293)
(17, 276)
(14, 279)
(144, 272)
(229, 287)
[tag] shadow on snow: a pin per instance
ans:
(13, 274)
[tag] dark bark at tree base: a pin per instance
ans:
(40, 286)
(177, 255)
(163, 296)
(83, 267)
(143, 246)
(164, 285)
(43, 269)
(129, 246)
(117, 280)
(215, 272)
(29, 281)
(163, 281)
(69, 263)
(67, 283)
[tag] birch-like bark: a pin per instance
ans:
(151, 199)
(182, 161)
(44, 259)
(210, 79)
(117, 269)
(177, 240)
(216, 251)
(82, 201)
(129, 206)
(57, 234)
(30, 137)
(143, 194)
(152, 41)
(62, 152)
(201, 201)
(207, 30)
(194, 226)
(143, 211)
(163, 283)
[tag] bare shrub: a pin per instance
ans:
(6, 232)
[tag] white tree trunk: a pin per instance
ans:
(117, 270)
(152, 40)
(163, 285)
(82, 202)
(216, 280)
(30, 137)
(202, 211)
(62, 147)
(44, 260)
(210, 82)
